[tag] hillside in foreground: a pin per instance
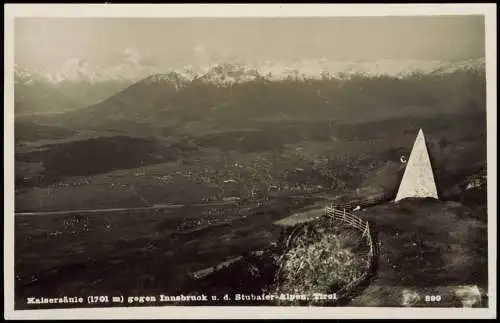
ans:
(425, 248)
(428, 247)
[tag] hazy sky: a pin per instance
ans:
(48, 42)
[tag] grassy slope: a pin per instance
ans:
(430, 247)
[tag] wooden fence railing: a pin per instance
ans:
(363, 226)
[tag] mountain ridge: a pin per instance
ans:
(79, 71)
(221, 87)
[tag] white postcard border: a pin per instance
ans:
(244, 10)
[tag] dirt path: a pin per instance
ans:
(133, 209)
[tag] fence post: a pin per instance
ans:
(365, 230)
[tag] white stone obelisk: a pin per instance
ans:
(418, 178)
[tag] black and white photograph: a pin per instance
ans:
(330, 162)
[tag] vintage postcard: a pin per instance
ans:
(253, 161)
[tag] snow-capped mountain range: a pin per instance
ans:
(220, 73)
(78, 83)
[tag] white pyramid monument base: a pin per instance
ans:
(418, 179)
